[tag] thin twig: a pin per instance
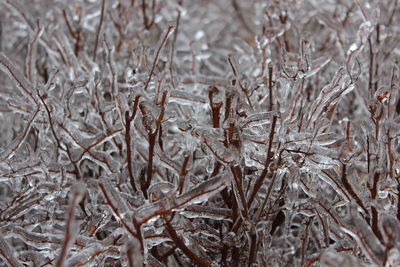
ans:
(179, 242)
(115, 210)
(261, 179)
(173, 48)
(98, 29)
(68, 231)
(157, 55)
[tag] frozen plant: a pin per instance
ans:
(199, 133)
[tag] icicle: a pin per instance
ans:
(220, 151)
(257, 119)
(185, 98)
(200, 193)
(197, 211)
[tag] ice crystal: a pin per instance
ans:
(199, 133)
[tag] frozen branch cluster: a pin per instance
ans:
(199, 133)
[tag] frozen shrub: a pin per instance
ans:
(199, 133)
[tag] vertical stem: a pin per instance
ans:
(187, 251)
(98, 29)
(376, 61)
(253, 248)
(398, 201)
(215, 109)
(371, 64)
(270, 86)
(261, 179)
(171, 59)
(238, 177)
(128, 140)
(183, 173)
(145, 18)
(149, 176)
(68, 231)
(157, 55)
(128, 149)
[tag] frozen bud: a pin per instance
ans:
(149, 123)
(160, 190)
(148, 119)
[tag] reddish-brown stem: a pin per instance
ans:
(263, 61)
(398, 201)
(178, 205)
(88, 149)
(149, 174)
(23, 137)
(31, 51)
(374, 224)
(181, 245)
(394, 8)
(24, 84)
(215, 112)
(112, 68)
(350, 189)
(261, 179)
(152, 136)
(128, 149)
(69, 27)
(246, 93)
(368, 156)
(76, 34)
(304, 241)
(116, 212)
(266, 199)
(215, 107)
(232, 67)
(162, 106)
(371, 65)
(171, 58)
(253, 249)
(68, 230)
(47, 262)
(313, 260)
(377, 63)
(157, 55)
(390, 154)
(228, 105)
(50, 120)
(236, 257)
(183, 173)
(76, 169)
(374, 188)
(242, 87)
(238, 177)
(128, 140)
(270, 71)
(146, 22)
(119, 29)
(99, 29)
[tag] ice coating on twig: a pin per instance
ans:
(199, 133)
